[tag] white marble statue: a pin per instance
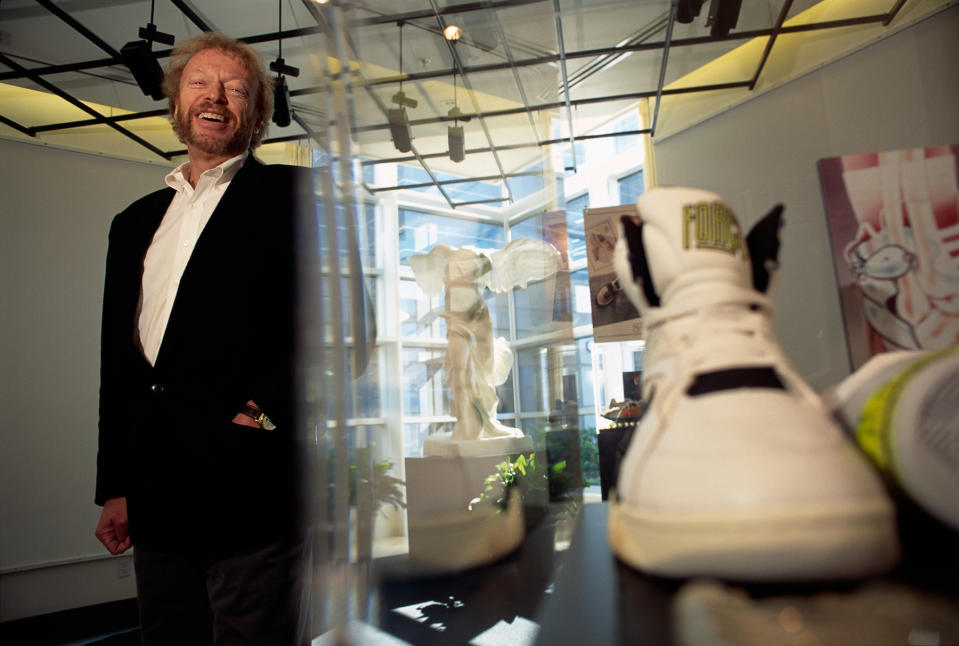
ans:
(476, 362)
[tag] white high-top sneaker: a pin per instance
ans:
(736, 469)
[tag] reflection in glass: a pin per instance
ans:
(419, 232)
(424, 391)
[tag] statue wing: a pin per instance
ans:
(521, 261)
(429, 269)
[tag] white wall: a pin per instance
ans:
(900, 92)
(56, 211)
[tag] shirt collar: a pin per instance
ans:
(222, 174)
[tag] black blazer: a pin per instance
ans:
(194, 481)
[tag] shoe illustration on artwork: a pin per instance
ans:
(736, 469)
(607, 293)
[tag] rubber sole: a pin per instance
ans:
(816, 542)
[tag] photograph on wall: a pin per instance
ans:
(893, 220)
(615, 318)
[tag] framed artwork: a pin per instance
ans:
(893, 220)
(615, 318)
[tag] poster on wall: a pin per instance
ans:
(893, 220)
(615, 318)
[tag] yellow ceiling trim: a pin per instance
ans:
(740, 63)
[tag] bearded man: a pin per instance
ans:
(197, 467)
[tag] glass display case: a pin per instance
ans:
(459, 433)
(404, 537)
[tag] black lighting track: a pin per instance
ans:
(97, 117)
(436, 15)
(466, 7)
(883, 18)
(521, 146)
(459, 67)
(192, 15)
(73, 22)
(772, 39)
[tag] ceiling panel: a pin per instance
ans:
(513, 71)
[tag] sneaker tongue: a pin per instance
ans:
(693, 234)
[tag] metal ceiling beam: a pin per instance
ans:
(783, 12)
(604, 62)
(192, 15)
(532, 144)
(674, 8)
(92, 122)
(83, 106)
(629, 96)
(501, 34)
(565, 88)
(416, 154)
(458, 65)
(495, 200)
(47, 70)
(892, 12)
(73, 22)
(30, 132)
(492, 67)
(466, 7)
(447, 182)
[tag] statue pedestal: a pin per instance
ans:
(443, 445)
(444, 534)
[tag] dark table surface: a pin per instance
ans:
(581, 594)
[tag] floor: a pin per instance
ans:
(108, 624)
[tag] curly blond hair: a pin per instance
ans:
(250, 58)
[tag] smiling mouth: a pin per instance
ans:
(212, 116)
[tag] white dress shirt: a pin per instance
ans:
(172, 246)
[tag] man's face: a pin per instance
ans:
(215, 105)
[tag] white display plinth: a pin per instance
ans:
(444, 533)
(443, 445)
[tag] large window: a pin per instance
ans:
(419, 232)
(631, 187)
(560, 378)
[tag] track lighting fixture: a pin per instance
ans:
(455, 135)
(457, 143)
(452, 33)
(141, 62)
(399, 121)
(150, 33)
(138, 57)
(723, 14)
(281, 102)
(400, 129)
(282, 112)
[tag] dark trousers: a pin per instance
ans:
(248, 599)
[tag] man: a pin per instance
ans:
(196, 465)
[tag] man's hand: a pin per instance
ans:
(112, 528)
(245, 420)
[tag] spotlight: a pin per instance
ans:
(457, 143)
(687, 10)
(281, 102)
(148, 74)
(723, 16)
(401, 99)
(280, 67)
(452, 32)
(281, 93)
(151, 34)
(457, 114)
(400, 129)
